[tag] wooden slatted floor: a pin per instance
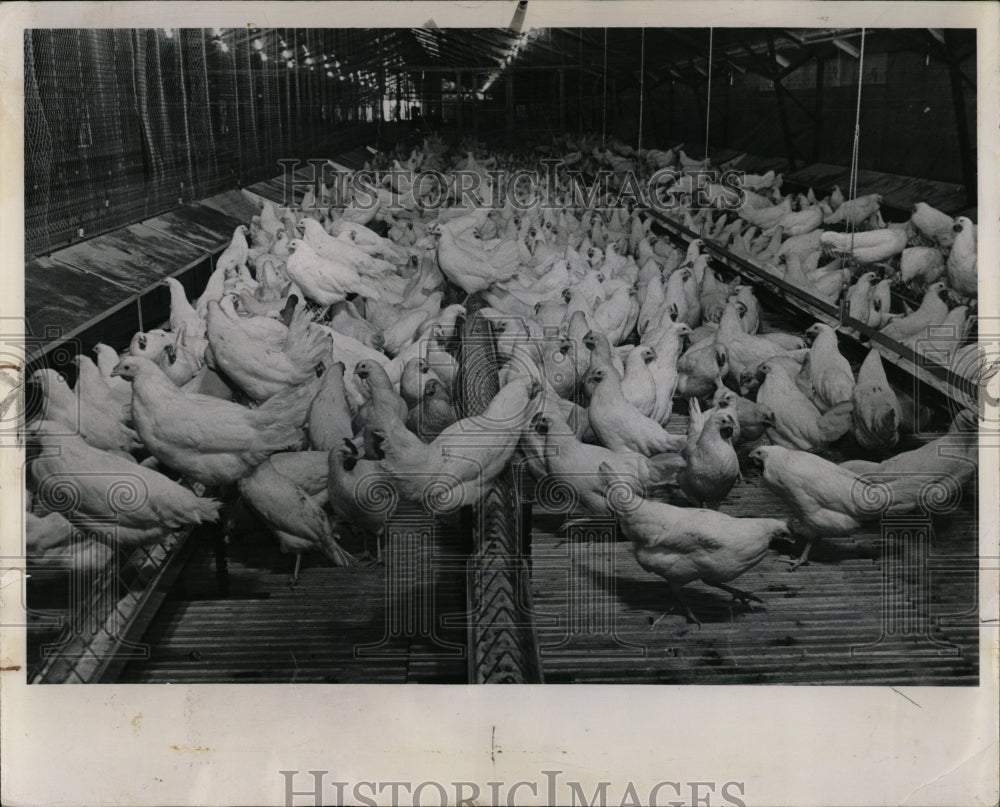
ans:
(899, 192)
(265, 631)
(811, 628)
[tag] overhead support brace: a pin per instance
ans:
(782, 112)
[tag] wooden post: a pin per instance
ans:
(965, 150)
(818, 111)
(780, 99)
(670, 116)
(725, 106)
(562, 100)
(509, 83)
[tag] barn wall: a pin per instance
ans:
(123, 124)
(907, 117)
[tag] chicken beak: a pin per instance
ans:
(117, 369)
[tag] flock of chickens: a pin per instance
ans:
(309, 387)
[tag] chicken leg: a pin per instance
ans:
(802, 560)
(745, 597)
(676, 591)
(295, 574)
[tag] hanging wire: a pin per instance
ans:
(708, 101)
(579, 83)
(604, 105)
(853, 182)
(642, 84)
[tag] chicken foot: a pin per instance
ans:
(745, 597)
(676, 591)
(802, 560)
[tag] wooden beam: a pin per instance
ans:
(780, 99)
(804, 57)
(965, 149)
(817, 146)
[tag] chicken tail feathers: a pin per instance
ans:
(663, 469)
(204, 510)
(835, 423)
(291, 406)
(336, 554)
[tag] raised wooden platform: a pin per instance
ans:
(110, 286)
(900, 192)
(338, 625)
(821, 624)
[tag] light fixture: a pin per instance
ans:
(290, 64)
(781, 60)
(258, 45)
(216, 32)
(168, 33)
(329, 74)
(263, 57)
(223, 47)
(286, 54)
(849, 49)
(937, 33)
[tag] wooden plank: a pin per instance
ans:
(900, 192)
(194, 225)
(756, 164)
(820, 176)
(63, 300)
(151, 255)
(272, 190)
(105, 258)
(234, 204)
(804, 631)
(200, 636)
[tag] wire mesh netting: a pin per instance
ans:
(84, 604)
(124, 124)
